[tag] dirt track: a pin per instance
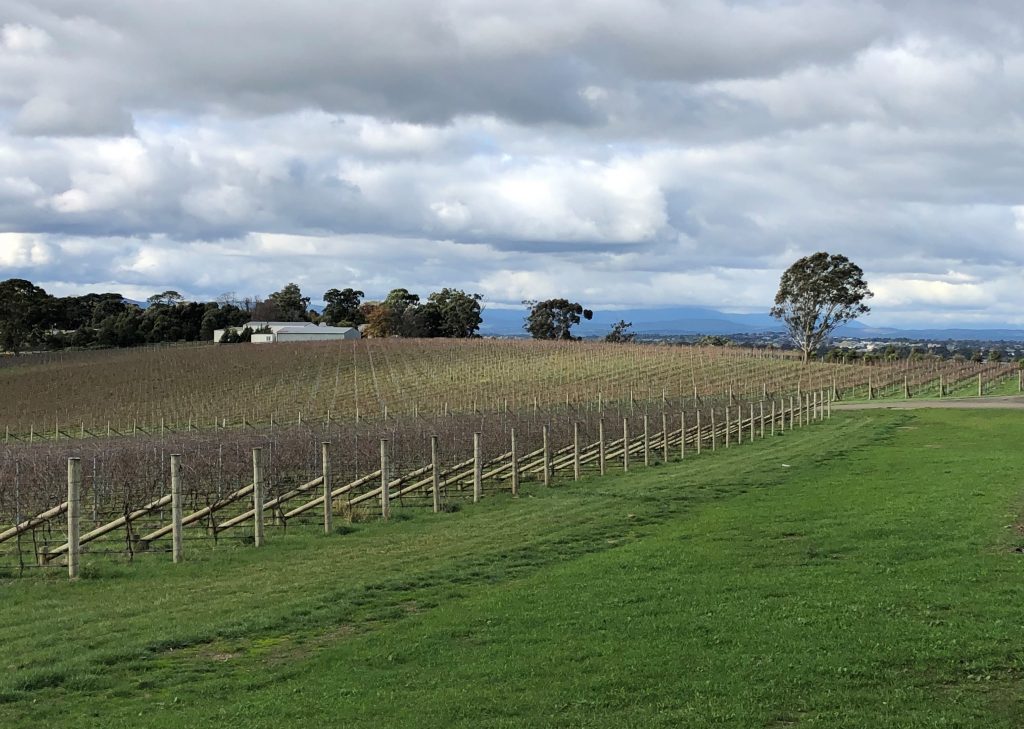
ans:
(1008, 402)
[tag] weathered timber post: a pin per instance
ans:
(547, 454)
(1020, 380)
(906, 387)
(682, 435)
(74, 512)
(761, 406)
(728, 422)
(828, 408)
(871, 390)
(515, 464)
(385, 480)
(664, 437)
(647, 443)
(325, 460)
(739, 425)
(176, 552)
(435, 472)
(751, 422)
(792, 412)
(700, 435)
(576, 451)
(257, 496)
(942, 387)
(478, 465)
(773, 417)
(714, 431)
(979, 385)
(600, 445)
(625, 445)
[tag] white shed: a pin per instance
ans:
(291, 331)
(313, 333)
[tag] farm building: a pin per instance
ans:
(292, 331)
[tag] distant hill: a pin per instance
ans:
(689, 320)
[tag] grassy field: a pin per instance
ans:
(857, 573)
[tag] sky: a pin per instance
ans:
(622, 153)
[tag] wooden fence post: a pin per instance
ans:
(647, 443)
(625, 445)
(515, 464)
(714, 431)
(176, 552)
(478, 464)
(871, 390)
(74, 512)
(600, 445)
(751, 422)
(906, 387)
(385, 480)
(435, 472)
(664, 437)
(792, 412)
(773, 417)
(700, 435)
(761, 405)
(576, 451)
(828, 408)
(682, 435)
(979, 385)
(257, 496)
(325, 460)
(728, 422)
(547, 454)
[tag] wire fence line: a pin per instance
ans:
(123, 500)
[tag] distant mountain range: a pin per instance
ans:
(691, 320)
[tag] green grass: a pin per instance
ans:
(857, 573)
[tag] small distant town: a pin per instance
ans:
(848, 349)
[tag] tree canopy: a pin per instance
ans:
(818, 293)
(291, 305)
(554, 318)
(620, 333)
(24, 309)
(342, 307)
(458, 313)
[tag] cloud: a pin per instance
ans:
(19, 251)
(623, 153)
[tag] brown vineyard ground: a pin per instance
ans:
(186, 388)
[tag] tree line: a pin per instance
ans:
(31, 318)
(817, 294)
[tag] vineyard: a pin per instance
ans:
(173, 389)
(365, 426)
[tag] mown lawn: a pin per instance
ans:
(856, 573)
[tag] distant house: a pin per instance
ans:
(291, 331)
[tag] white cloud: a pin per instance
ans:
(18, 250)
(638, 153)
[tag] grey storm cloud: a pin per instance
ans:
(642, 152)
